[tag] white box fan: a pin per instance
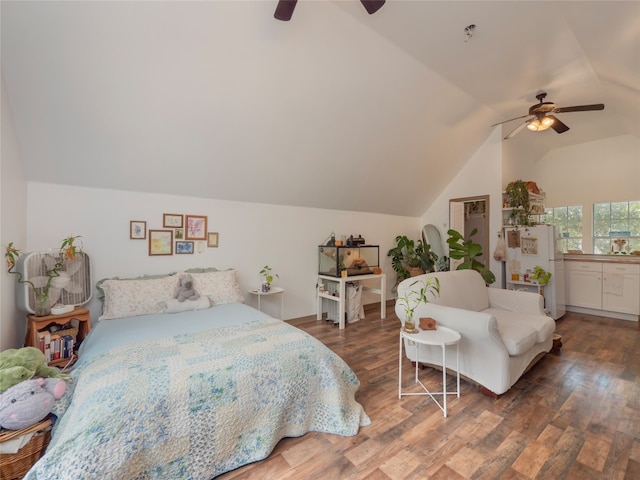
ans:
(71, 287)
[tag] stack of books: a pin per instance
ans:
(57, 342)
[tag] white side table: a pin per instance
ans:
(441, 337)
(272, 291)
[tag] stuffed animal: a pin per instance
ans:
(185, 290)
(29, 402)
(20, 364)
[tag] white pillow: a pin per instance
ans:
(175, 306)
(221, 287)
(129, 298)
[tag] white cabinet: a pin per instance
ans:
(584, 282)
(621, 288)
(611, 287)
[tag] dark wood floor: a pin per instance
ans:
(575, 415)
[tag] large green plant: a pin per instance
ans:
(467, 250)
(408, 255)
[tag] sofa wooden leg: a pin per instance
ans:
(557, 344)
(485, 391)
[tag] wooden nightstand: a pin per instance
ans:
(79, 315)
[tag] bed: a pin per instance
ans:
(193, 393)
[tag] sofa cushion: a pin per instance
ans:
(463, 289)
(543, 325)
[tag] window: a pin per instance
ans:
(568, 222)
(616, 227)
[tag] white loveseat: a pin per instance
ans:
(504, 332)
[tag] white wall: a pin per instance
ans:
(13, 205)
(605, 170)
(481, 175)
(250, 236)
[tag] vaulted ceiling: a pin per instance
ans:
(334, 109)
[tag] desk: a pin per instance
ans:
(272, 291)
(441, 337)
(341, 293)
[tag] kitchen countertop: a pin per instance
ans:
(587, 257)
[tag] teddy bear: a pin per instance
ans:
(30, 401)
(185, 290)
(19, 364)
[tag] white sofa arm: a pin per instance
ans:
(516, 301)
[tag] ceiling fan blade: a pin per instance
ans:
(372, 6)
(557, 125)
(580, 108)
(284, 10)
(518, 129)
(510, 120)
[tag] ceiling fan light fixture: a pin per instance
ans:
(540, 124)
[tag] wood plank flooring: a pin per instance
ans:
(575, 415)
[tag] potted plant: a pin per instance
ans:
(68, 251)
(268, 277)
(540, 276)
(414, 297)
(459, 248)
(409, 258)
(516, 196)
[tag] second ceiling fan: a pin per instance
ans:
(541, 117)
(284, 9)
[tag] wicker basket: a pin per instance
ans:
(14, 466)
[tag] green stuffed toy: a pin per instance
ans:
(17, 365)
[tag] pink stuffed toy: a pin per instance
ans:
(29, 402)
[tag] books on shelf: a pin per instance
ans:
(57, 342)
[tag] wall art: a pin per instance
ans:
(195, 227)
(160, 242)
(212, 239)
(172, 220)
(184, 247)
(137, 229)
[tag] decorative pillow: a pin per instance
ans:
(220, 286)
(100, 291)
(129, 298)
(174, 306)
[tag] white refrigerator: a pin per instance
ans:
(531, 246)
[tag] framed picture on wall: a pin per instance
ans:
(212, 239)
(137, 229)
(183, 247)
(160, 242)
(172, 220)
(195, 227)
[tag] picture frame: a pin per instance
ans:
(137, 230)
(160, 242)
(212, 239)
(184, 247)
(172, 220)
(178, 233)
(195, 227)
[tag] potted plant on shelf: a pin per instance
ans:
(409, 258)
(51, 270)
(268, 277)
(540, 276)
(516, 197)
(412, 298)
(468, 250)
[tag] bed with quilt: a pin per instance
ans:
(190, 390)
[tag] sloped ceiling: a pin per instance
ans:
(334, 109)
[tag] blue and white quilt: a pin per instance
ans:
(196, 404)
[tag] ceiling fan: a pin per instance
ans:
(284, 9)
(542, 118)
